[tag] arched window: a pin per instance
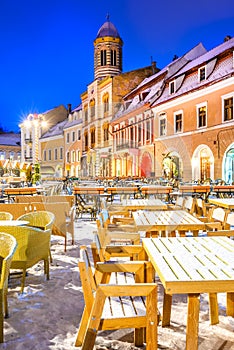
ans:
(103, 57)
(106, 132)
(113, 57)
(92, 136)
(106, 102)
(86, 112)
(92, 108)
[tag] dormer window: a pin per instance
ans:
(172, 87)
(202, 73)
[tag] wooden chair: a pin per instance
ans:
(33, 246)
(116, 244)
(115, 223)
(8, 245)
(5, 215)
(116, 306)
(216, 218)
(179, 204)
(189, 204)
(202, 208)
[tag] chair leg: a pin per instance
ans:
(23, 280)
(5, 303)
(1, 316)
(82, 328)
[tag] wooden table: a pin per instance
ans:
(227, 203)
(157, 191)
(167, 221)
(13, 222)
(193, 266)
(140, 204)
(20, 191)
(221, 190)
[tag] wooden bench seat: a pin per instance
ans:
(116, 306)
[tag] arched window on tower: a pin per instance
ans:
(113, 57)
(105, 102)
(103, 57)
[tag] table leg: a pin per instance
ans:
(166, 317)
(214, 309)
(192, 321)
(230, 304)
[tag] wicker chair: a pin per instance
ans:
(5, 215)
(8, 246)
(33, 246)
(40, 219)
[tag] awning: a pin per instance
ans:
(47, 170)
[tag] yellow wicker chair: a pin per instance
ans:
(8, 246)
(41, 219)
(33, 246)
(5, 215)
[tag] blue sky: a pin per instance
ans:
(47, 45)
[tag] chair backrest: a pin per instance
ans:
(179, 201)
(229, 221)
(219, 214)
(5, 215)
(189, 204)
(40, 219)
(8, 245)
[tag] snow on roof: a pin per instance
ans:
(10, 139)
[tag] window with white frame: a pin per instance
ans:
(55, 153)
(2, 154)
(202, 73)
(201, 116)
(73, 156)
(68, 137)
(78, 156)
(68, 157)
(78, 135)
(162, 124)
(178, 118)
(227, 107)
(61, 152)
(44, 155)
(73, 136)
(49, 154)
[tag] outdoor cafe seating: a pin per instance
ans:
(8, 245)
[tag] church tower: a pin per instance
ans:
(107, 51)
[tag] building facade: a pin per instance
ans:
(180, 121)
(103, 98)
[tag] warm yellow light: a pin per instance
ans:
(27, 123)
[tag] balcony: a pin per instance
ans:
(28, 141)
(127, 145)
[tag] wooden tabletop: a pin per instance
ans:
(192, 266)
(140, 204)
(13, 222)
(166, 220)
(223, 202)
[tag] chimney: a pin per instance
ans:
(153, 64)
(227, 37)
(69, 108)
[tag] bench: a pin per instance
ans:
(121, 304)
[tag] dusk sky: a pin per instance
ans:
(47, 45)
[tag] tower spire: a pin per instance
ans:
(108, 17)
